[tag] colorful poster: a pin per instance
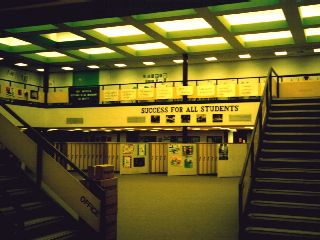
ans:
(175, 161)
(127, 162)
(128, 148)
(174, 149)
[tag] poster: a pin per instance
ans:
(182, 159)
(128, 148)
(127, 162)
(141, 149)
(79, 95)
(134, 158)
(223, 151)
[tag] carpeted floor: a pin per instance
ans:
(158, 207)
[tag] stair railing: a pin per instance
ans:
(248, 172)
(44, 145)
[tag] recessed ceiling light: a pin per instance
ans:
(168, 129)
(120, 31)
(51, 54)
(312, 31)
(196, 129)
(93, 129)
(120, 65)
(107, 130)
(182, 25)
(255, 17)
(67, 68)
(211, 59)
(117, 129)
(85, 131)
(21, 64)
(178, 61)
(265, 36)
(93, 66)
(244, 56)
(282, 53)
(316, 50)
(148, 63)
(158, 128)
(63, 37)
(154, 130)
(147, 46)
(143, 129)
(130, 128)
(93, 51)
(52, 129)
(310, 11)
(204, 41)
(13, 42)
(40, 69)
(1, 58)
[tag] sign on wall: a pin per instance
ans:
(206, 91)
(184, 90)
(226, 90)
(164, 92)
(145, 93)
(248, 89)
(111, 95)
(128, 94)
(84, 95)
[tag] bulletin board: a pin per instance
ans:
(134, 158)
(182, 159)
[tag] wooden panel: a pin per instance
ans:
(71, 191)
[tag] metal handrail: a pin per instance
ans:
(44, 144)
(251, 156)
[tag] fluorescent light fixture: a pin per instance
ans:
(13, 42)
(168, 129)
(282, 53)
(157, 128)
(40, 69)
(117, 129)
(93, 51)
(52, 129)
(51, 54)
(149, 63)
(85, 131)
(107, 130)
(67, 68)
(130, 128)
(265, 36)
(93, 129)
(255, 17)
(183, 25)
(249, 127)
(196, 129)
(244, 56)
(71, 130)
(312, 31)
(120, 65)
(147, 46)
(119, 31)
(1, 58)
(310, 11)
(154, 130)
(178, 61)
(143, 129)
(211, 59)
(316, 50)
(63, 37)
(21, 64)
(93, 66)
(204, 41)
(78, 129)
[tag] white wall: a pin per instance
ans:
(20, 75)
(243, 68)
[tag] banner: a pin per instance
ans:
(111, 95)
(164, 92)
(206, 91)
(184, 90)
(145, 93)
(248, 89)
(226, 90)
(128, 94)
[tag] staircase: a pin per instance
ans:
(285, 195)
(28, 213)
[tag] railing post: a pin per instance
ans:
(278, 87)
(39, 165)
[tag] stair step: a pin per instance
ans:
(289, 162)
(283, 221)
(286, 195)
(294, 113)
(262, 233)
(285, 207)
(294, 120)
(306, 128)
(42, 221)
(299, 136)
(296, 144)
(67, 234)
(292, 106)
(295, 100)
(292, 153)
(285, 183)
(307, 173)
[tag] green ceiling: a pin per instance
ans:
(174, 40)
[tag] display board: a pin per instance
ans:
(182, 159)
(231, 158)
(134, 158)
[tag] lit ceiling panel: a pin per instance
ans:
(13, 42)
(182, 25)
(312, 35)
(51, 54)
(310, 14)
(147, 46)
(266, 39)
(204, 44)
(100, 50)
(63, 37)
(119, 31)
